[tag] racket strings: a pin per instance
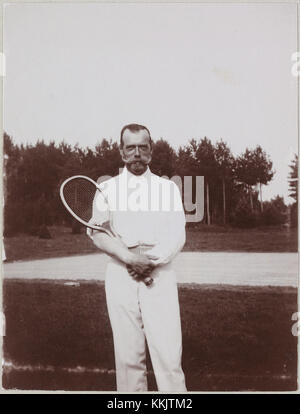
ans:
(79, 194)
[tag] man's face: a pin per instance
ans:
(136, 151)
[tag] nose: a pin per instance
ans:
(137, 152)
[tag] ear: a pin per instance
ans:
(150, 156)
(122, 154)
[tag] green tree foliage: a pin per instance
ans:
(225, 171)
(186, 163)
(243, 216)
(274, 212)
(253, 167)
(163, 159)
(108, 160)
(198, 158)
(205, 156)
(33, 174)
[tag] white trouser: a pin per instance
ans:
(136, 311)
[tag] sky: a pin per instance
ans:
(80, 72)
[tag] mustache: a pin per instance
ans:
(142, 159)
(138, 160)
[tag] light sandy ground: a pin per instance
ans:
(252, 269)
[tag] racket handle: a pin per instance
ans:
(148, 281)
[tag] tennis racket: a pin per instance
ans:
(78, 194)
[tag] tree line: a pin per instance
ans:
(233, 185)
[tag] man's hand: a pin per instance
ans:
(140, 263)
(140, 266)
(138, 276)
(135, 275)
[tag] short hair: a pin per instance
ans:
(134, 128)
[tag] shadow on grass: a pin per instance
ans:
(58, 337)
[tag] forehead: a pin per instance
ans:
(135, 138)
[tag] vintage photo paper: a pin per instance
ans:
(170, 263)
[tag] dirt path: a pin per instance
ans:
(252, 269)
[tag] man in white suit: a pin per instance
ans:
(148, 216)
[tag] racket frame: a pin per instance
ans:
(148, 280)
(85, 223)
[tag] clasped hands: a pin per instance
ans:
(140, 266)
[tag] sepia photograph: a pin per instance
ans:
(150, 197)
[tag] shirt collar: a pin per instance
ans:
(127, 174)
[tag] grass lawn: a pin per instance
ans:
(203, 238)
(264, 239)
(58, 336)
